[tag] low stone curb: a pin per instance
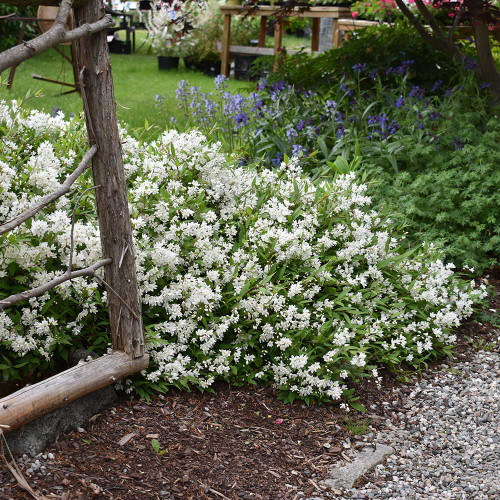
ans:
(346, 475)
(34, 437)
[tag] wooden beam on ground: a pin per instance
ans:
(127, 331)
(37, 400)
(260, 51)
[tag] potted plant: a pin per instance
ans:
(169, 24)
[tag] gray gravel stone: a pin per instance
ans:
(447, 441)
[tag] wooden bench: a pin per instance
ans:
(316, 13)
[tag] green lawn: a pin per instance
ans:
(137, 82)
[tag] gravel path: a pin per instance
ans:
(446, 438)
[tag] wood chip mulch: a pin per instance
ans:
(241, 443)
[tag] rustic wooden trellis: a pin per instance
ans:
(105, 155)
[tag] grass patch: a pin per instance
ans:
(358, 427)
(137, 81)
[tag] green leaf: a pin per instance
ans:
(358, 407)
(155, 445)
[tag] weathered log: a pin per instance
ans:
(36, 3)
(37, 400)
(111, 198)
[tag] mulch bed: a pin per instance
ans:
(242, 443)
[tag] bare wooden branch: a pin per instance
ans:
(55, 35)
(37, 400)
(46, 200)
(40, 290)
(422, 31)
(111, 200)
(430, 19)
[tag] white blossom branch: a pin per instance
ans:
(73, 217)
(54, 36)
(40, 290)
(65, 187)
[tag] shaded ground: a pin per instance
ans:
(241, 443)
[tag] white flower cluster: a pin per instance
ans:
(169, 24)
(243, 274)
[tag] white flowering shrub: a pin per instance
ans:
(245, 275)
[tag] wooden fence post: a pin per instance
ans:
(111, 196)
(115, 227)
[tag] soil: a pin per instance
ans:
(241, 443)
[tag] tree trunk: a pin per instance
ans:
(486, 62)
(485, 71)
(111, 197)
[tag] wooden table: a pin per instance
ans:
(316, 13)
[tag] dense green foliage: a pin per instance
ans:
(10, 30)
(378, 47)
(451, 197)
(432, 154)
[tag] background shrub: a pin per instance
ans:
(379, 47)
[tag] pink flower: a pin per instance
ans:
(355, 14)
(279, 421)
(451, 14)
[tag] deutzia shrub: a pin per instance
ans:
(245, 275)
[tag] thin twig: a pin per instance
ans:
(218, 493)
(73, 216)
(125, 250)
(46, 200)
(15, 471)
(98, 278)
(40, 290)
(455, 24)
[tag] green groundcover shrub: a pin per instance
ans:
(431, 155)
(245, 276)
